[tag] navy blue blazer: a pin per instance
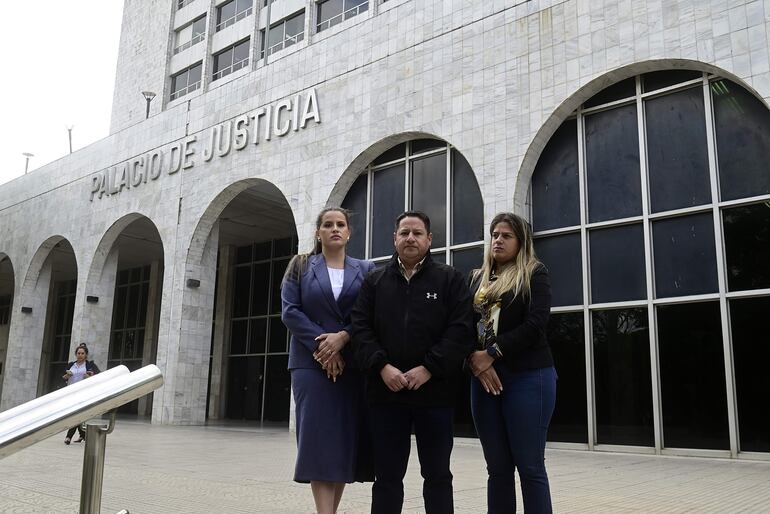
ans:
(308, 308)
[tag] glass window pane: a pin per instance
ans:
(195, 74)
(329, 9)
(742, 125)
(429, 193)
(277, 389)
(275, 35)
(424, 145)
(439, 257)
(623, 382)
(277, 335)
(245, 376)
(284, 247)
(660, 79)
(555, 186)
(685, 258)
(279, 268)
(617, 91)
(260, 292)
(243, 254)
(199, 27)
(355, 203)
(748, 318)
(258, 335)
(226, 11)
(387, 204)
(238, 336)
(747, 245)
(617, 264)
(562, 256)
(241, 51)
(676, 150)
(241, 290)
(612, 164)
(397, 152)
(467, 203)
(468, 259)
(262, 251)
(295, 24)
(566, 336)
(692, 376)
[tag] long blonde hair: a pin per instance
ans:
(298, 263)
(514, 276)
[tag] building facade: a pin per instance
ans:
(634, 136)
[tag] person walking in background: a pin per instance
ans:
(514, 390)
(317, 295)
(78, 370)
(412, 329)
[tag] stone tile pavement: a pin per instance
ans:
(236, 469)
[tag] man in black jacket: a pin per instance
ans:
(412, 329)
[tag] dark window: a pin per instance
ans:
(623, 383)
(387, 203)
(612, 164)
(395, 153)
(232, 59)
(566, 335)
(617, 264)
(355, 203)
(186, 81)
(692, 376)
(747, 246)
(467, 260)
(618, 91)
(561, 255)
(277, 389)
(5, 310)
(660, 79)
(743, 141)
(468, 211)
(332, 12)
(246, 377)
(191, 34)
(425, 145)
(677, 151)
(685, 257)
(429, 193)
(258, 335)
(748, 319)
(555, 185)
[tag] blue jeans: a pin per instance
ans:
(391, 429)
(512, 428)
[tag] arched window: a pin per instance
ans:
(651, 209)
(426, 175)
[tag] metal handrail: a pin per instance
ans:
(345, 15)
(296, 38)
(73, 407)
(230, 69)
(188, 89)
(48, 415)
(232, 19)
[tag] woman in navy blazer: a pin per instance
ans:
(318, 293)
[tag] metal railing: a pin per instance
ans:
(232, 19)
(197, 38)
(229, 69)
(38, 419)
(288, 41)
(189, 89)
(334, 20)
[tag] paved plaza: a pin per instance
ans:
(222, 469)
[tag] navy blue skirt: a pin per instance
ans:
(333, 443)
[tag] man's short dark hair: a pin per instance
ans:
(414, 214)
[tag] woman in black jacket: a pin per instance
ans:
(76, 371)
(514, 389)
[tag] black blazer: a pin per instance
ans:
(522, 326)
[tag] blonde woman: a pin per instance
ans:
(514, 389)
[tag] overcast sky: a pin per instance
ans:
(58, 60)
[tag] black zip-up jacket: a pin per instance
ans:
(426, 321)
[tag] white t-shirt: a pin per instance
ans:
(78, 373)
(337, 278)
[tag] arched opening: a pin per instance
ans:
(429, 175)
(129, 281)
(251, 227)
(7, 282)
(651, 209)
(57, 282)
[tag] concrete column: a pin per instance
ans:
(184, 340)
(223, 306)
(25, 342)
(48, 338)
(151, 326)
(92, 322)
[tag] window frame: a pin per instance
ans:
(233, 66)
(189, 88)
(345, 14)
(238, 16)
(194, 38)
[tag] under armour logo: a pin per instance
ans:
(431, 296)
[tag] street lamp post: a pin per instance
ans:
(148, 95)
(26, 164)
